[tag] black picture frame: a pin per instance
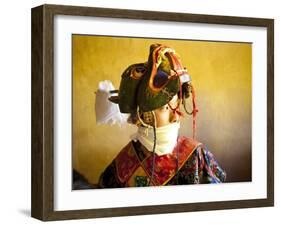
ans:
(42, 203)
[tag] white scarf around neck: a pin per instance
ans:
(166, 138)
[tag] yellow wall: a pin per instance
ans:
(221, 73)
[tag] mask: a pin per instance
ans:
(166, 138)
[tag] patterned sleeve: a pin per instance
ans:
(200, 168)
(212, 172)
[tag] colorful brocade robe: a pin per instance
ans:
(189, 163)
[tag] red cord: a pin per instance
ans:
(176, 109)
(194, 112)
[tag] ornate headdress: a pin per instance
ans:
(147, 86)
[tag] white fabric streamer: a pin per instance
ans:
(166, 138)
(106, 111)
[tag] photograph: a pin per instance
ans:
(160, 112)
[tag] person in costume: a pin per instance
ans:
(153, 94)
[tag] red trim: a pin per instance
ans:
(194, 112)
(126, 163)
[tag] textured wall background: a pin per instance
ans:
(221, 73)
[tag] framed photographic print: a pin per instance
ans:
(141, 112)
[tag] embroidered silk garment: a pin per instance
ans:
(189, 163)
